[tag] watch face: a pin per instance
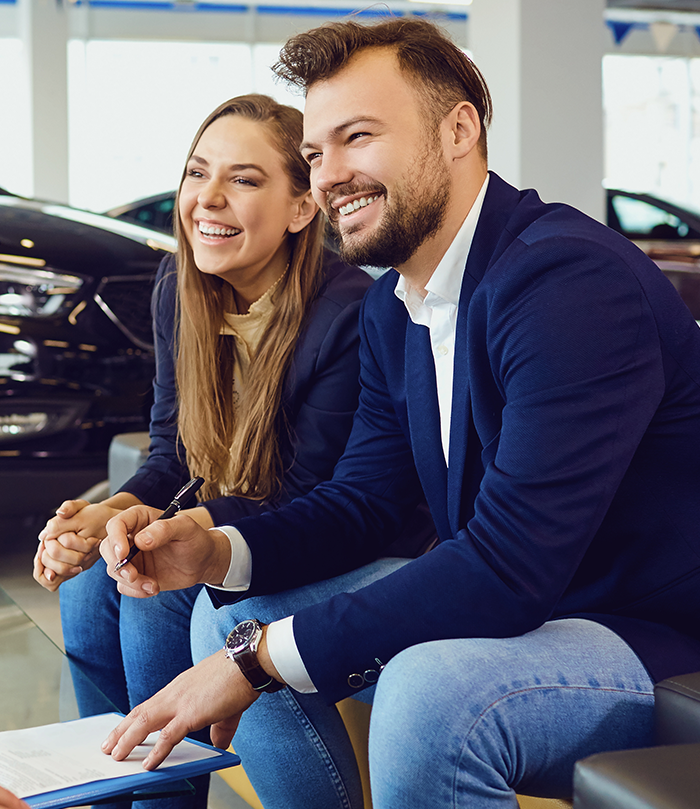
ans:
(241, 636)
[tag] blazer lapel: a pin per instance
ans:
(460, 411)
(490, 238)
(450, 497)
(424, 423)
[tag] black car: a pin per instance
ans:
(152, 212)
(76, 354)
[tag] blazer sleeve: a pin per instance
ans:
(164, 471)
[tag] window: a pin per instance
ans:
(134, 108)
(652, 125)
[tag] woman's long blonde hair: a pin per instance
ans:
(237, 452)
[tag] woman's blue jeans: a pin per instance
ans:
(455, 723)
(129, 648)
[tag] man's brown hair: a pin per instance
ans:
(440, 71)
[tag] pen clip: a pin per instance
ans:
(190, 488)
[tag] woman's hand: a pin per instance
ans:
(69, 543)
(57, 560)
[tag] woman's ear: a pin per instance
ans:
(305, 210)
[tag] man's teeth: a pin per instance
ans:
(363, 202)
(216, 230)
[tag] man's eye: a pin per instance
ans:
(312, 156)
(356, 135)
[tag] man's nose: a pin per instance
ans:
(334, 170)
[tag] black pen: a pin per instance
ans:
(176, 504)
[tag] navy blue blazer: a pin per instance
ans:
(319, 398)
(573, 487)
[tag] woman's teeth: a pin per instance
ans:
(217, 230)
(363, 202)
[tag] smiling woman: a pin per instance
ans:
(236, 204)
(255, 390)
(244, 201)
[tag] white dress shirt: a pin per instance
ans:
(437, 310)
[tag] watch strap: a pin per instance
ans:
(247, 661)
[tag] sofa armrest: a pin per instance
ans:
(677, 709)
(127, 452)
(650, 778)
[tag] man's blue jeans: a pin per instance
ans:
(455, 723)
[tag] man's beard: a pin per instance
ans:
(412, 217)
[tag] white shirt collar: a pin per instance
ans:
(446, 281)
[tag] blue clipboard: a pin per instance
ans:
(97, 791)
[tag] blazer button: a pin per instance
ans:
(356, 681)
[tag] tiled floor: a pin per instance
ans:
(42, 607)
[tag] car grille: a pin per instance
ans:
(126, 300)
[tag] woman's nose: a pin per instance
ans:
(211, 195)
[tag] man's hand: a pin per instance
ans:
(214, 693)
(175, 553)
(9, 800)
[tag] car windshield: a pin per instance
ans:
(641, 219)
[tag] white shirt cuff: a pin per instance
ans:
(240, 569)
(285, 656)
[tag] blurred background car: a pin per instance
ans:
(152, 212)
(76, 353)
(667, 233)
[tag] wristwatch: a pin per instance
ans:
(242, 647)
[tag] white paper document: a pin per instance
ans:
(67, 754)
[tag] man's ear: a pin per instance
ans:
(306, 208)
(464, 129)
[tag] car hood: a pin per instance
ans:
(29, 236)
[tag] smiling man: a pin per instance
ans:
(390, 141)
(536, 377)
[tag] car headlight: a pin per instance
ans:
(15, 425)
(29, 418)
(27, 292)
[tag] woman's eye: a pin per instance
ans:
(193, 173)
(244, 181)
